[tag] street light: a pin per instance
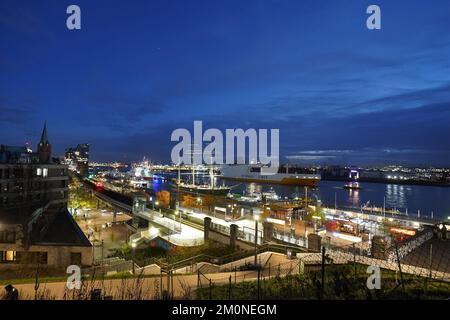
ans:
(256, 218)
(133, 246)
(179, 212)
(153, 205)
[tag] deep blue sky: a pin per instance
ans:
(137, 70)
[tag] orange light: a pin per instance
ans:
(403, 231)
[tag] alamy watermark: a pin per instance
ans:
(189, 149)
(74, 278)
(374, 279)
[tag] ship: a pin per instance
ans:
(204, 189)
(284, 176)
(141, 174)
(352, 186)
(255, 197)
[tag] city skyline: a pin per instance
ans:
(340, 93)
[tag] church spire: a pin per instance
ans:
(44, 147)
(44, 137)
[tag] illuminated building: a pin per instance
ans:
(78, 158)
(35, 226)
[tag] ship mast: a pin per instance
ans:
(192, 164)
(179, 174)
(211, 174)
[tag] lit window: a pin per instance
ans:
(10, 255)
(7, 256)
(44, 172)
(39, 171)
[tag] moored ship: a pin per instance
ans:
(206, 189)
(284, 176)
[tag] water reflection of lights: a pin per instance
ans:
(354, 196)
(252, 188)
(396, 195)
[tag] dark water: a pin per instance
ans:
(427, 199)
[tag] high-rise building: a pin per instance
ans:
(35, 225)
(78, 158)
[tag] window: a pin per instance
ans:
(41, 257)
(31, 257)
(75, 258)
(7, 256)
(44, 172)
(7, 237)
(39, 172)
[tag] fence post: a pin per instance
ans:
(354, 259)
(322, 285)
(161, 282)
(210, 289)
(198, 279)
(399, 268)
(229, 288)
(259, 279)
(269, 270)
(171, 281)
(431, 259)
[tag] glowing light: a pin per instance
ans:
(403, 231)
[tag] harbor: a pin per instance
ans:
(339, 215)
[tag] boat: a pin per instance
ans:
(270, 195)
(204, 189)
(141, 174)
(255, 197)
(352, 186)
(252, 173)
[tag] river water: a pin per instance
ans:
(426, 199)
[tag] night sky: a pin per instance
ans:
(338, 92)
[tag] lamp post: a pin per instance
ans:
(335, 201)
(133, 246)
(179, 212)
(256, 218)
(153, 205)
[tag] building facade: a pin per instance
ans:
(35, 225)
(78, 159)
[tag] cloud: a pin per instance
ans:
(13, 113)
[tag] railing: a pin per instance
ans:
(298, 241)
(220, 228)
(273, 247)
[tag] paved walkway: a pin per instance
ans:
(187, 237)
(130, 289)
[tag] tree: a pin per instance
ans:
(163, 198)
(208, 201)
(188, 200)
(316, 212)
(331, 225)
